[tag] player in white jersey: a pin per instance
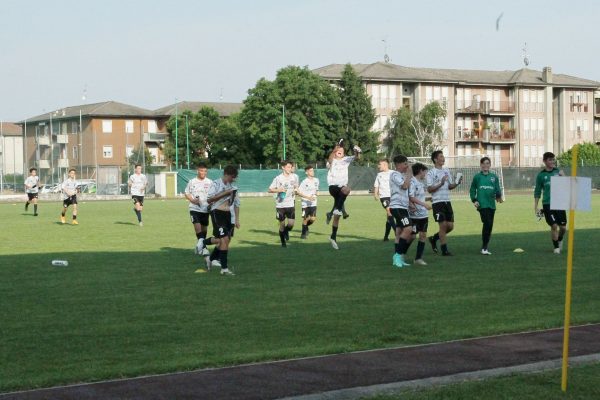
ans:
(381, 192)
(137, 185)
(308, 192)
(418, 210)
(337, 179)
(32, 185)
(69, 196)
(439, 183)
(221, 196)
(399, 203)
(196, 192)
(285, 185)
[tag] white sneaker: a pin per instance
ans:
(486, 252)
(557, 250)
(226, 271)
(216, 263)
(141, 223)
(337, 212)
(560, 245)
(334, 244)
(420, 262)
(200, 249)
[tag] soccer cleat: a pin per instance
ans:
(333, 244)
(433, 243)
(226, 271)
(397, 261)
(141, 223)
(447, 254)
(200, 248)
(345, 215)
(283, 244)
(404, 263)
(486, 252)
(74, 222)
(303, 236)
(420, 262)
(207, 262)
(386, 239)
(557, 250)
(35, 215)
(26, 206)
(62, 220)
(215, 264)
(328, 217)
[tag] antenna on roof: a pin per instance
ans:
(386, 58)
(525, 55)
(84, 95)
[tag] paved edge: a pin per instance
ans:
(398, 387)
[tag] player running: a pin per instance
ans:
(137, 185)
(381, 192)
(308, 192)
(439, 183)
(69, 196)
(485, 192)
(32, 184)
(196, 192)
(556, 219)
(285, 185)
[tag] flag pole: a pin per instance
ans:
(283, 127)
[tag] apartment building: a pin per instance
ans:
(512, 116)
(11, 149)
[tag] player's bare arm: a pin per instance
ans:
(219, 196)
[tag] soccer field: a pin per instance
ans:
(129, 303)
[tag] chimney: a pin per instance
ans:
(547, 74)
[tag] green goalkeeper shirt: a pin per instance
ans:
(485, 188)
(542, 184)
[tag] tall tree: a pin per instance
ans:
(231, 145)
(400, 138)
(358, 115)
(588, 155)
(312, 116)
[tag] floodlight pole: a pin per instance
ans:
(283, 127)
(176, 144)
(187, 141)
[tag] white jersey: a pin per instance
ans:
(138, 184)
(382, 183)
(338, 171)
(69, 188)
(31, 184)
(219, 186)
(290, 184)
(310, 187)
(398, 196)
(434, 177)
(417, 190)
(198, 189)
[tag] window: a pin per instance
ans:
(459, 99)
(585, 125)
(571, 125)
(540, 100)
(526, 127)
(437, 93)
(107, 126)
(541, 150)
(541, 132)
(445, 97)
(526, 155)
(375, 96)
(525, 100)
(392, 96)
(129, 150)
(128, 126)
(428, 94)
(152, 128)
(74, 154)
(107, 151)
(74, 127)
(460, 150)
(533, 129)
(383, 94)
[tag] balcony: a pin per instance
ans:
(485, 107)
(63, 163)
(597, 110)
(467, 135)
(501, 136)
(43, 140)
(43, 164)
(491, 136)
(158, 137)
(62, 139)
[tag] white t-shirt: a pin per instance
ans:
(138, 184)
(32, 182)
(433, 178)
(219, 186)
(69, 185)
(338, 171)
(310, 187)
(198, 189)
(417, 189)
(382, 182)
(290, 184)
(398, 196)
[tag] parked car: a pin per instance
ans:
(50, 188)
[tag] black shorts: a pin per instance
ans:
(198, 217)
(309, 212)
(558, 217)
(32, 196)
(285, 212)
(420, 224)
(401, 217)
(138, 199)
(221, 221)
(70, 200)
(442, 211)
(385, 202)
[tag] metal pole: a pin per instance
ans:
(176, 143)
(51, 151)
(25, 148)
(80, 145)
(2, 164)
(187, 141)
(283, 127)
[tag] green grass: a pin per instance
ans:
(582, 385)
(129, 303)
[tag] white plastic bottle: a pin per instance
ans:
(60, 263)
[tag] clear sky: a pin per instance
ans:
(149, 53)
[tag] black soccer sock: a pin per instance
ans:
(223, 257)
(289, 228)
(334, 230)
(420, 249)
(560, 236)
(215, 253)
(35, 208)
(397, 248)
(402, 245)
(74, 217)
(444, 248)
(388, 228)
(282, 236)
(26, 205)
(310, 222)
(391, 221)
(202, 235)
(408, 243)
(555, 243)
(304, 229)
(436, 237)
(64, 211)
(198, 235)
(139, 215)
(208, 241)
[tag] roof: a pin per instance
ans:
(10, 129)
(104, 109)
(224, 109)
(381, 71)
